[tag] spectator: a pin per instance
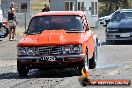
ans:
(45, 9)
(12, 22)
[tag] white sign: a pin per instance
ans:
(125, 35)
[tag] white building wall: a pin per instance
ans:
(94, 18)
(75, 3)
(87, 6)
(56, 5)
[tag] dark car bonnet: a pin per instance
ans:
(124, 23)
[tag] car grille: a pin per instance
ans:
(122, 30)
(118, 36)
(125, 30)
(50, 50)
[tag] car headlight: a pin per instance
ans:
(112, 30)
(77, 49)
(67, 49)
(26, 50)
(30, 51)
(72, 49)
(21, 51)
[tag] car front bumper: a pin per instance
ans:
(117, 36)
(63, 61)
(58, 56)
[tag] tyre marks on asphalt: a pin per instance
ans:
(105, 66)
(70, 82)
(11, 79)
(38, 82)
(4, 63)
(118, 72)
(121, 70)
(49, 79)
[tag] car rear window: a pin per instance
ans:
(68, 23)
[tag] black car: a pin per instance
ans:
(120, 26)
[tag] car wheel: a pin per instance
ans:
(84, 63)
(80, 66)
(22, 69)
(93, 60)
(4, 32)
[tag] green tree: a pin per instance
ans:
(108, 6)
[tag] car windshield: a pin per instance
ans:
(68, 23)
(127, 14)
(122, 15)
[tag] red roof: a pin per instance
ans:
(78, 13)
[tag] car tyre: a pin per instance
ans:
(4, 32)
(81, 65)
(93, 60)
(84, 63)
(22, 69)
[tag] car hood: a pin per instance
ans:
(125, 23)
(106, 17)
(52, 37)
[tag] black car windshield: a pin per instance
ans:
(68, 23)
(122, 15)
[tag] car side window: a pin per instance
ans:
(33, 26)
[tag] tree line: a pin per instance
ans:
(106, 7)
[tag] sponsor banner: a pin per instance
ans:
(104, 82)
(84, 81)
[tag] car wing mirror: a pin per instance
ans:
(107, 21)
(96, 41)
(104, 25)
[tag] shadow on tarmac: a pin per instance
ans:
(42, 74)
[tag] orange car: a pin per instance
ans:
(57, 40)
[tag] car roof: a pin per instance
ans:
(60, 13)
(126, 10)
